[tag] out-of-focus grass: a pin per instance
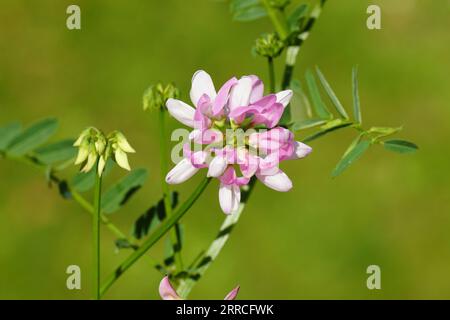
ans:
(314, 242)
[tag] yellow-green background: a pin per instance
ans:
(313, 242)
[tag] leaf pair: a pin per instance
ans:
(151, 218)
(16, 142)
(325, 119)
(320, 108)
(118, 194)
(357, 149)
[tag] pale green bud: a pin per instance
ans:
(100, 144)
(95, 149)
(119, 148)
(155, 96)
(123, 144)
(269, 46)
(83, 152)
(101, 165)
(83, 136)
(121, 159)
(91, 160)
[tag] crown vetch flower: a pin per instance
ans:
(167, 292)
(235, 135)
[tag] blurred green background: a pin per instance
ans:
(313, 242)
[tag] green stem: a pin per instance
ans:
(96, 234)
(216, 246)
(162, 229)
(90, 209)
(86, 205)
(278, 20)
(296, 43)
(271, 74)
(164, 160)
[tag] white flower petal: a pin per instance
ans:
(301, 150)
(284, 97)
(122, 159)
(278, 181)
(181, 111)
(240, 94)
(202, 84)
(217, 167)
(237, 197)
(181, 172)
(229, 198)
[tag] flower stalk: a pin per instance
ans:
(271, 74)
(96, 233)
(159, 232)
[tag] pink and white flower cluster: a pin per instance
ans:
(235, 136)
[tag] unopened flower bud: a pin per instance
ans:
(91, 160)
(123, 144)
(269, 46)
(155, 96)
(119, 148)
(95, 149)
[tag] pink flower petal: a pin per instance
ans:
(233, 293)
(257, 89)
(240, 94)
(222, 96)
(228, 176)
(248, 163)
(166, 291)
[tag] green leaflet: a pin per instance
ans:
(151, 218)
(356, 106)
(400, 146)
(327, 130)
(116, 196)
(334, 99)
(247, 10)
(239, 5)
(250, 14)
(296, 16)
(319, 105)
(306, 124)
(8, 133)
(32, 137)
(56, 152)
(351, 155)
(83, 182)
(299, 92)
